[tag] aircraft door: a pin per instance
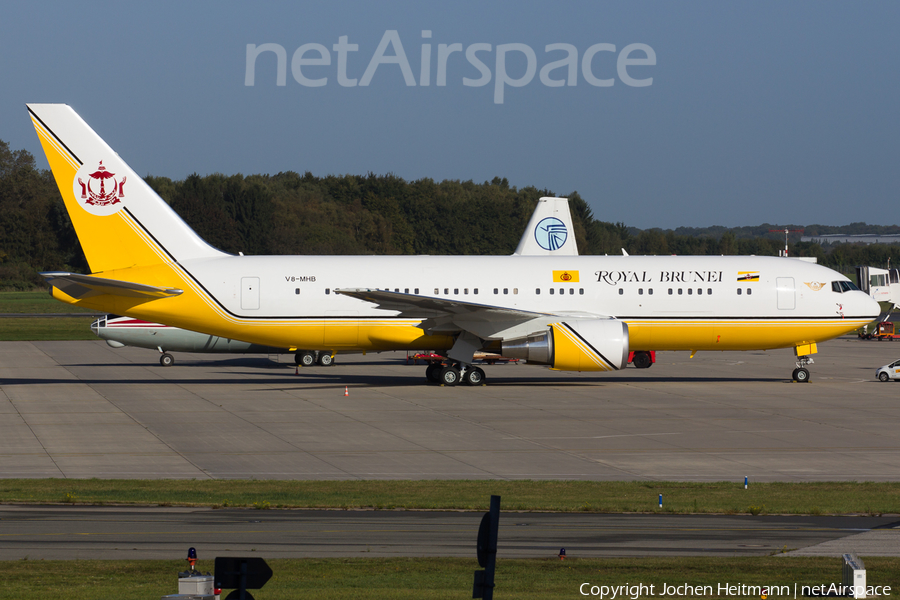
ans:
(784, 286)
(250, 293)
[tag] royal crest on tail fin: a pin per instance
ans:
(120, 221)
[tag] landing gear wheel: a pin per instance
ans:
(432, 373)
(166, 360)
(801, 375)
(449, 376)
(325, 359)
(473, 376)
(883, 377)
(305, 358)
(641, 360)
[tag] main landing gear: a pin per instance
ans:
(308, 358)
(455, 373)
(801, 373)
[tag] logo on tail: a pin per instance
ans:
(550, 233)
(99, 191)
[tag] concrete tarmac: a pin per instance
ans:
(82, 409)
(109, 533)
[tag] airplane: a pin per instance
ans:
(550, 215)
(571, 313)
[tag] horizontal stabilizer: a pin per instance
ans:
(84, 286)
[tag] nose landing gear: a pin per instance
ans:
(801, 373)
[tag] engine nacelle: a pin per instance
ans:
(576, 345)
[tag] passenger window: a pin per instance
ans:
(650, 291)
(297, 291)
(436, 292)
(621, 291)
(505, 291)
(456, 291)
(739, 291)
(670, 291)
(446, 291)
(640, 291)
(571, 291)
(537, 292)
(327, 291)
(690, 291)
(406, 290)
(679, 291)
(709, 291)
(699, 291)
(552, 291)
(466, 291)
(515, 290)
(475, 291)
(749, 291)
(581, 291)
(417, 291)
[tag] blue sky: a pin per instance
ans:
(757, 112)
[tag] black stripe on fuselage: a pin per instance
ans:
(622, 318)
(223, 307)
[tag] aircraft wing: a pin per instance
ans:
(84, 286)
(449, 316)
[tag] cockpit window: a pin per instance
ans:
(843, 286)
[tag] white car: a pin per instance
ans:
(891, 371)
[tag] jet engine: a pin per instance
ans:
(576, 345)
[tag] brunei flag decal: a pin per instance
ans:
(748, 276)
(565, 276)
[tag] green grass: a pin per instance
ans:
(15, 329)
(564, 496)
(41, 328)
(37, 301)
(426, 578)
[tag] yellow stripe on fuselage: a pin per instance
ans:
(733, 334)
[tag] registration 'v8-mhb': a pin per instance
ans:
(550, 307)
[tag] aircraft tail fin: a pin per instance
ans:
(120, 221)
(550, 231)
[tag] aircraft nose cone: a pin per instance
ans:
(871, 307)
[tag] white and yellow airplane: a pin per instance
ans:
(577, 313)
(549, 214)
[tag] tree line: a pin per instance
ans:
(289, 213)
